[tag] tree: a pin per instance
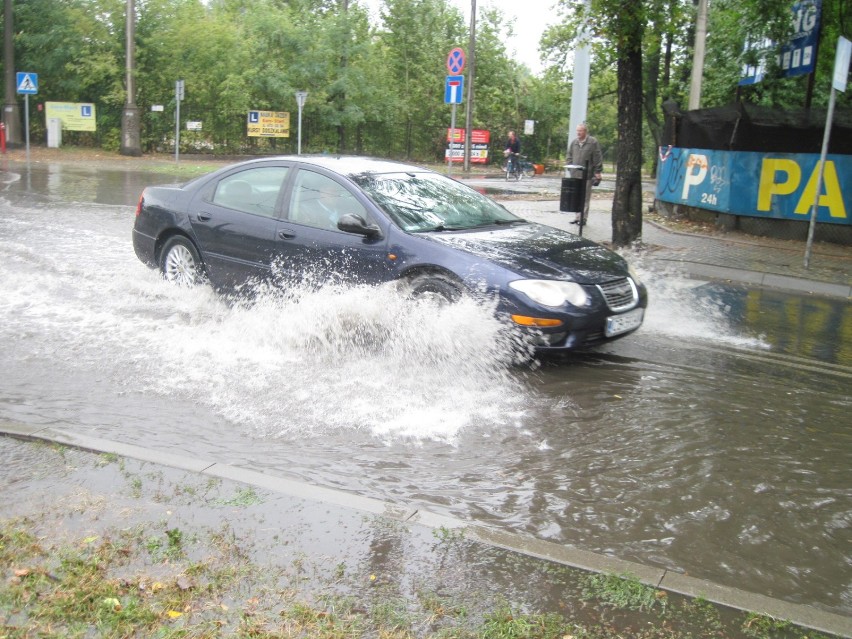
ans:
(621, 23)
(627, 25)
(130, 120)
(11, 114)
(416, 37)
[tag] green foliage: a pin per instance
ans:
(244, 497)
(504, 623)
(377, 88)
(624, 592)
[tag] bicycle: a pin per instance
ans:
(517, 167)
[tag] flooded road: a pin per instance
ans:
(714, 441)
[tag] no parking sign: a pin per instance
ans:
(455, 61)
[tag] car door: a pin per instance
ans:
(235, 220)
(311, 246)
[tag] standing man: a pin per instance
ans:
(513, 150)
(585, 150)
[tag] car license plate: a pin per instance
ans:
(618, 324)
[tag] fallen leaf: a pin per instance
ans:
(22, 572)
(112, 603)
(174, 614)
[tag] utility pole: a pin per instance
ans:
(11, 110)
(698, 56)
(130, 125)
(580, 86)
(471, 60)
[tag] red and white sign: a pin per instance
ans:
(479, 141)
(455, 61)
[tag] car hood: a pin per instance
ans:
(539, 252)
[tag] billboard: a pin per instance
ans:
(268, 124)
(798, 54)
(775, 185)
(75, 116)
(479, 141)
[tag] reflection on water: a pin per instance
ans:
(83, 182)
(807, 326)
(702, 443)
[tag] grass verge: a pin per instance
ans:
(107, 547)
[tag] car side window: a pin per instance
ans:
(252, 191)
(320, 202)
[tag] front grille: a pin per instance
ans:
(620, 295)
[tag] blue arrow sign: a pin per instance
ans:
(27, 83)
(454, 89)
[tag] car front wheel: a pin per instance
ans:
(434, 287)
(180, 262)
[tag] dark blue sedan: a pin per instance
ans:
(373, 221)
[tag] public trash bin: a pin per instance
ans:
(572, 197)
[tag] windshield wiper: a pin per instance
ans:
(443, 227)
(499, 223)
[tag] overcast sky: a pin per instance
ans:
(531, 18)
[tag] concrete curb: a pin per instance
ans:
(801, 615)
(701, 270)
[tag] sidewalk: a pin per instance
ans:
(325, 545)
(738, 257)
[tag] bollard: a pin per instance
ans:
(2, 138)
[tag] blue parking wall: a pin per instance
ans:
(773, 185)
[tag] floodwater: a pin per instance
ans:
(714, 441)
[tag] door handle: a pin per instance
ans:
(204, 217)
(286, 234)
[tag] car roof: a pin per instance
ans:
(349, 165)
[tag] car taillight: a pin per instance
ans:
(140, 203)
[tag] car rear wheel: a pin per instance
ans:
(180, 262)
(434, 287)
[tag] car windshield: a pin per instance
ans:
(431, 202)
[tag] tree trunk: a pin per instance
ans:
(627, 203)
(11, 112)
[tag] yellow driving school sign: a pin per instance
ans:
(75, 116)
(269, 124)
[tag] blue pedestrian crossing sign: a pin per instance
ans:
(27, 83)
(454, 89)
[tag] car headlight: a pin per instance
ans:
(552, 292)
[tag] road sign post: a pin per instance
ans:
(301, 96)
(453, 92)
(841, 72)
(179, 91)
(27, 84)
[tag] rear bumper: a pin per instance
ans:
(145, 247)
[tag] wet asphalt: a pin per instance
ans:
(341, 525)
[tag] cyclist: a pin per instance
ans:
(513, 155)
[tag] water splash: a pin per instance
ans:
(676, 310)
(337, 357)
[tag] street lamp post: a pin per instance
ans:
(300, 99)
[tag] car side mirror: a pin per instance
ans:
(351, 223)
